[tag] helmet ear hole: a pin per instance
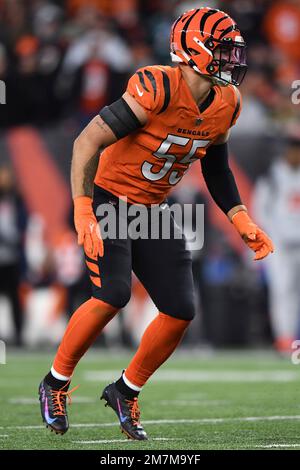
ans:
(209, 44)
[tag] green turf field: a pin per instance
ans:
(234, 400)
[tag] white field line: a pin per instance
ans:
(193, 402)
(83, 400)
(193, 396)
(172, 421)
(3, 436)
(35, 401)
(203, 376)
(272, 446)
(125, 441)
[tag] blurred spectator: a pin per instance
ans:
(95, 66)
(13, 219)
(101, 41)
(159, 26)
(30, 93)
(30, 83)
(100, 5)
(254, 119)
(62, 59)
(93, 89)
(277, 208)
(45, 300)
(15, 21)
(47, 22)
(39, 260)
(3, 62)
(122, 10)
(249, 15)
(282, 27)
(70, 270)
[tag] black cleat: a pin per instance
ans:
(54, 407)
(127, 411)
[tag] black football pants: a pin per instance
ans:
(164, 266)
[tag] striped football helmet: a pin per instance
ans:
(209, 41)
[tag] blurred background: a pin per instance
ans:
(62, 61)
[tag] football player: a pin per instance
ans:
(167, 118)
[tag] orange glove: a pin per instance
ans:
(252, 235)
(87, 227)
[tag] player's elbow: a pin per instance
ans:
(76, 144)
(83, 145)
(80, 142)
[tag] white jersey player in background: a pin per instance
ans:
(277, 208)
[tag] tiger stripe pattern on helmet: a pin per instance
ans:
(195, 36)
(207, 25)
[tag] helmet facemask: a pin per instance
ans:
(229, 62)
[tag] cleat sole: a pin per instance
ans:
(48, 426)
(103, 398)
(129, 437)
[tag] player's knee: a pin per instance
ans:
(118, 293)
(187, 312)
(99, 303)
(183, 310)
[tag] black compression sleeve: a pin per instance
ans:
(120, 118)
(219, 178)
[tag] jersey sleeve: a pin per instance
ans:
(237, 105)
(145, 87)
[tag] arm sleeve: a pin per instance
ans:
(219, 178)
(120, 118)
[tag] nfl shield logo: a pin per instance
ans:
(198, 121)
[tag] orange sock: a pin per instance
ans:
(83, 328)
(158, 342)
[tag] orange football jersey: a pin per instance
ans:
(145, 165)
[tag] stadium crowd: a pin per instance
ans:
(61, 62)
(64, 57)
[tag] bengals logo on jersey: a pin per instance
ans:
(146, 164)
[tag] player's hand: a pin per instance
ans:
(87, 227)
(252, 235)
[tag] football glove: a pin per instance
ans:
(252, 235)
(87, 227)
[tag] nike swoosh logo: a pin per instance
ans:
(121, 416)
(47, 417)
(139, 91)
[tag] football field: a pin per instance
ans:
(224, 400)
